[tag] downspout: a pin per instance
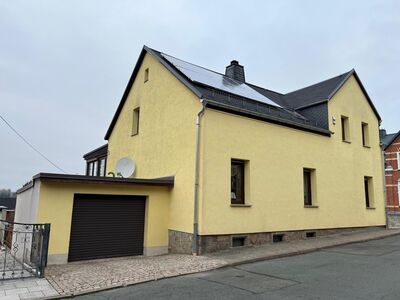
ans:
(384, 187)
(196, 183)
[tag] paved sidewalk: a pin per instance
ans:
(84, 277)
(91, 276)
(236, 256)
(27, 288)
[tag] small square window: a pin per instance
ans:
(311, 234)
(277, 238)
(146, 75)
(238, 241)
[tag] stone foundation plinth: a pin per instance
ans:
(181, 242)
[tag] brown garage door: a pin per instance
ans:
(106, 226)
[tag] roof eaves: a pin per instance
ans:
(95, 150)
(163, 181)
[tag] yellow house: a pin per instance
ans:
(219, 163)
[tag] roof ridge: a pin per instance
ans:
(315, 84)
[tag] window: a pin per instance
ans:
(311, 234)
(237, 182)
(96, 167)
(89, 170)
(368, 192)
(238, 241)
(307, 180)
(102, 167)
(398, 160)
(277, 238)
(146, 75)
(398, 192)
(365, 134)
(135, 121)
(345, 129)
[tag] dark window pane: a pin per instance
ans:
(307, 187)
(237, 182)
(366, 190)
(343, 123)
(363, 134)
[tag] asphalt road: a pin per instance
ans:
(368, 270)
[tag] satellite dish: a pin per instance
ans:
(125, 167)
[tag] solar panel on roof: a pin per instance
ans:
(216, 80)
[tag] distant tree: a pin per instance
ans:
(6, 193)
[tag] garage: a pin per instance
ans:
(106, 226)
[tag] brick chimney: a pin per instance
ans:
(235, 71)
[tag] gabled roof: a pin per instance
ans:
(315, 93)
(323, 92)
(222, 92)
(388, 139)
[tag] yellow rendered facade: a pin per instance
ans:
(275, 157)
(56, 203)
(165, 143)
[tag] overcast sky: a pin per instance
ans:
(64, 64)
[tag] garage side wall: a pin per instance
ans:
(26, 207)
(56, 205)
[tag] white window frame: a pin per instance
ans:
(398, 192)
(398, 160)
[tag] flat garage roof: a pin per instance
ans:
(163, 181)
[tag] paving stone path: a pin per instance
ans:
(27, 288)
(77, 278)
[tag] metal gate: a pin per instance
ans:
(23, 249)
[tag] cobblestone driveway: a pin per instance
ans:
(76, 278)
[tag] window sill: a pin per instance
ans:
(133, 134)
(366, 146)
(311, 206)
(240, 205)
(370, 208)
(347, 142)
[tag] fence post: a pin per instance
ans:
(45, 249)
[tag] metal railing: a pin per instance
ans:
(24, 249)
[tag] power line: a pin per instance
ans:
(30, 145)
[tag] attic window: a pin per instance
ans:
(365, 134)
(135, 121)
(345, 129)
(146, 75)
